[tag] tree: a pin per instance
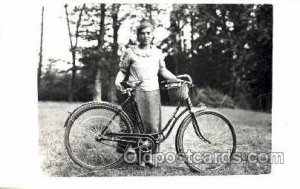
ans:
(73, 48)
(116, 23)
(227, 48)
(178, 20)
(41, 50)
(105, 56)
(261, 44)
(227, 43)
(100, 37)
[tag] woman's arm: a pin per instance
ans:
(120, 77)
(163, 70)
(165, 73)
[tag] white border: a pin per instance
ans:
(19, 154)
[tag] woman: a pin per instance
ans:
(144, 62)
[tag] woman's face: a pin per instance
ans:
(145, 36)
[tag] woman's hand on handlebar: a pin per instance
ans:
(180, 80)
(185, 77)
(122, 89)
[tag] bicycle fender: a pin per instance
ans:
(71, 113)
(187, 117)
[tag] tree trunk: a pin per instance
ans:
(192, 33)
(73, 77)
(149, 11)
(175, 24)
(116, 26)
(73, 51)
(70, 93)
(41, 50)
(112, 93)
(98, 86)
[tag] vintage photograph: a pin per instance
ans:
(155, 89)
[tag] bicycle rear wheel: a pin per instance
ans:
(85, 124)
(202, 156)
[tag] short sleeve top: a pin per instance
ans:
(143, 65)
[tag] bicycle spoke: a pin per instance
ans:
(108, 144)
(215, 128)
(87, 123)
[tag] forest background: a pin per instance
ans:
(226, 48)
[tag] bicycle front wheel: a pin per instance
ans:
(212, 148)
(82, 128)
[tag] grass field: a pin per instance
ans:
(253, 132)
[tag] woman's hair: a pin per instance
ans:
(144, 24)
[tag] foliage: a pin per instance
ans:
(55, 86)
(230, 49)
(211, 97)
(226, 48)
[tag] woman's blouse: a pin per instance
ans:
(143, 65)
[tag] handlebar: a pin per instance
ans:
(171, 84)
(188, 80)
(185, 76)
(126, 91)
(185, 79)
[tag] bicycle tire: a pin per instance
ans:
(204, 157)
(81, 128)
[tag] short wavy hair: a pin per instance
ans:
(145, 24)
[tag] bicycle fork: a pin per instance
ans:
(195, 123)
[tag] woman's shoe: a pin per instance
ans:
(151, 162)
(142, 164)
(151, 165)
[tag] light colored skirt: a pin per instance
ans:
(149, 107)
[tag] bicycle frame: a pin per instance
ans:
(130, 100)
(125, 135)
(167, 129)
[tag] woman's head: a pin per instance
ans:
(145, 32)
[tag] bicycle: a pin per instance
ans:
(95, 130)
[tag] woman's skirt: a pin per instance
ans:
(149, 107)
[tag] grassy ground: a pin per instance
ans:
(253, 131)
